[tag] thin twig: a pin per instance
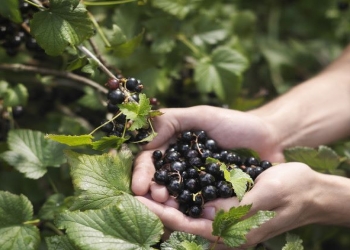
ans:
(45, 71)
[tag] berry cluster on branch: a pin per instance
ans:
(184, 170)
(13, 36)
(124, 90)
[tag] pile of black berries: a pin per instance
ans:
(123, 90)
(184, 171)
(13, 36)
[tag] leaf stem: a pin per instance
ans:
(53, 185)
(100, 64)
(99, 30)
(51, 226)
(88, 3)
(184, 40)
(115, 117)
(215, 243)
(32, 222)
(34, 4)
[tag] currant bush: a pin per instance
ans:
(183, 169)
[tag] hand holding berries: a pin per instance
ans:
(187, 176)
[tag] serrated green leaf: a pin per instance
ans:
(323, 159)
(224, 220)
(109, 142)
(15, 233)
(137, 112)
(221, 73)
(72, 140)
(10, 10)
(186, 245)
(234, 236)
(60, 243)
(117, 37)
(126, 225)
(52, 206)
(100, 179)
(178, 8)
(63, 24)
(30, 153)
(293, 242)
(177, 238)
(17, 95)
(127, 48)
(240, 182)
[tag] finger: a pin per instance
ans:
(142, 173)
(177, 221)
(212, 207)
(159, 193)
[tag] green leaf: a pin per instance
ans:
(16, 231)
(137, 112)
(17, 95)
(221, 73)
(293, 242)
(235, 235)
(185, 241)
(178, 8)
(30, 153)
(323, 159)
(71, 140)
(64, 24)
(224, 220)
(149, 138)
(60, 243)
(91, 68)
(10, 10)
(127, 48)
(240, 182)
(76, 63)
(107, 142)
(100, 179)
(126, 225)
(232, 229)
(52, 206)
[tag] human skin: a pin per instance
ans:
(313, 113)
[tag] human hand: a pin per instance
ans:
(229, 128)
(289, 189)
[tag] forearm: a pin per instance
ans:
(314, 112)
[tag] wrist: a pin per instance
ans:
(332, 205)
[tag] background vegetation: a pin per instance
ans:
(237, 54)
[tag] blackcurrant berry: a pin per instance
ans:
(213, 169)
(206, 179)
(225, 190)
(131, 84)
(192, 185)
(265, 164)
(195, 211)
(251, 161)
(195, 161)
(116, 96)
(172, 156)
(177, 166)
(157, 155)
(201, 136)
(175, 187)
(161, 177)
(209, 193)
(113, 83)
(108, 127)
(185, 197)
(112, 108)
(211, 144)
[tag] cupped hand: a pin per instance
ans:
(289, 189)
(229, 128)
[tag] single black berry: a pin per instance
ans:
(209, 193)
(131, 84)
(116, 96)
(161, 177)
(157, 155)
(195, 211)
